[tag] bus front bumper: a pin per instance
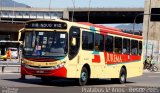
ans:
(60, 72)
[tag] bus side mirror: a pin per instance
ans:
(73, 41)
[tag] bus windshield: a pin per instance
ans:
(45, 44)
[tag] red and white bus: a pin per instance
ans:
(79, 50)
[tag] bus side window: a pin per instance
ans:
(87, 40)
(74, 42)
(126, 46)
(109, 43)
(99, 42)
(118, 45)
(134, 47)
(140, 48)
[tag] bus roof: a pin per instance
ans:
(111, 30)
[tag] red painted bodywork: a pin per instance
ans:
(113, 58)
(61, 72)
(96, 59)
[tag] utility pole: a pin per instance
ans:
(1, 10)
(50, 8)
(73, 1)
(89, 10)
(13, 12)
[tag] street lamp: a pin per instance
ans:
(13, 12)
(1, 10)
(138, 16)
(89, 9)
(135, 21)
(147, 28)
(73, 1)
(50, 8)
(49, 5)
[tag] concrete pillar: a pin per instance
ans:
(151, 31)
(65, 14)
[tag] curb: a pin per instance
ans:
(147, 71)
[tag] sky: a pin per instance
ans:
(83, 3)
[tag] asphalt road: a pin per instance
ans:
(10, 83)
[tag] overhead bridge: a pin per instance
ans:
(93, 15)
(108, 15)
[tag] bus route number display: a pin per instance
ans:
(46, 25)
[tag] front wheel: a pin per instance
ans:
(154, 68)
(122, 77)
(83, 77)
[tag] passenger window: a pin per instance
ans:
(140, 48)
(109, 43)
(99, 42)
(118, 45)
(134, 47)
(87, 40)
(126, 46)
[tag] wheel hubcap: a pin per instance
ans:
(83, 76)
(123, 77)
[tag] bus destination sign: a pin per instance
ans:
(46, 25)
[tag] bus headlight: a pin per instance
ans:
(59, 65)
(21, 60)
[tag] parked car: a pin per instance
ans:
(14, 52)
(3, 56)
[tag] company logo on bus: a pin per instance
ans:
(46, 25)
(113, 58)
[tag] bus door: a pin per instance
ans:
(74, 42)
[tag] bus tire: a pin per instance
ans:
(5, 59)
(84, 76)
(122, 77)
(46, 80)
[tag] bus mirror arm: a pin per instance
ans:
(19, 34)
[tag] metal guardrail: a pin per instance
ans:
(9, 64)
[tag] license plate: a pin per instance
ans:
(39, 71)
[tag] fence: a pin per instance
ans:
(9, 64)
